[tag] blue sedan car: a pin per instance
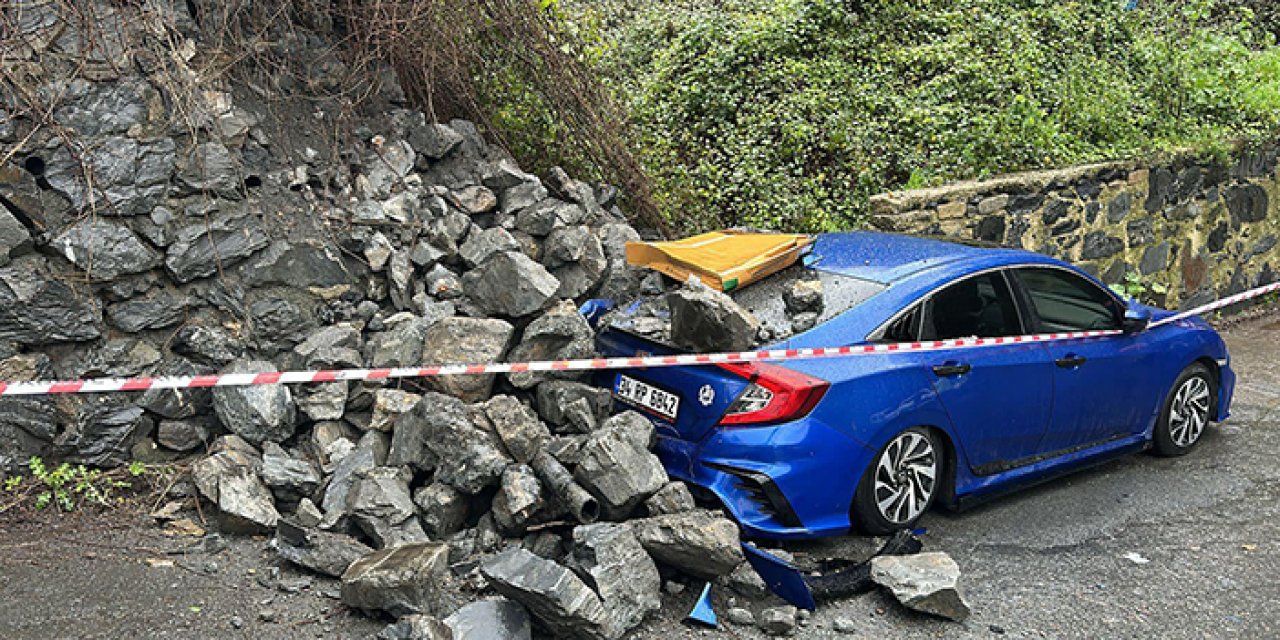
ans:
(868, 443)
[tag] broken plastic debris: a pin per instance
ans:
(702, 612)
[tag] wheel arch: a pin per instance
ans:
(1216, 373)
(950, 463)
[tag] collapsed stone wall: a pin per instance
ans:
(147, 232)
(1202, 228)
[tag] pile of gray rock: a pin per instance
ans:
(132, 244)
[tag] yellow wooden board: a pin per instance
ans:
(724, 260)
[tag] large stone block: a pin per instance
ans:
(619, 471)
(510, 284)
(551, 592)
(460, 340)
(257, 413)
(699, 543)
(705, 320)
(610, 558)
(925, 582)
(404, 580)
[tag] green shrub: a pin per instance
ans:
(790, 113)
(67, 487)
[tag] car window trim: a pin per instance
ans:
(878, 333)
(1118, 318)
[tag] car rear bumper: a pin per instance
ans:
(794, 480)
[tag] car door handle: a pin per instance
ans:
(1070, 362)
(952, 369)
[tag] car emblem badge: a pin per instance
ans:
(706, 395)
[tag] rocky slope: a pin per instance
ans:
(231, 239)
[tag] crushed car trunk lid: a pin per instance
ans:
(704, 392)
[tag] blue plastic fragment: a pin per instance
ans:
(594, 308)
(919, 532)
(702, 612)
(783, 579)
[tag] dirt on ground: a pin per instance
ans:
(1139, 547)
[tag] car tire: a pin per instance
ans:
(895, 490)
(1186, 412)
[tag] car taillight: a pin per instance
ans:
(775, 394)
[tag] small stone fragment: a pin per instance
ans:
(389, 403)
(320, 551)
(673, 497)
(442, 509)
(287, 475)
(460, 340)
(519, 428)
(381, 505)
(778, 621)
(510, 284)
(746, 582)
(741, 617)
(416, 627)
(619, 471)
(844, 625)
(519, 497)
(227, 479)
(559, 334)
(326, 401)
(182, 435)
(608, 556)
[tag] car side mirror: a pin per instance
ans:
(1136, 319)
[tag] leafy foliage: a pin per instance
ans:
(790, 113)
(1133, 286)
(68, 487)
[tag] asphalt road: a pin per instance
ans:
(1045, 563)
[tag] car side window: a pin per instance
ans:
(906, 328)
(980, 306)
(1063, 301)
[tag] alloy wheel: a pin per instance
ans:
(1189, 412)
(906, 477)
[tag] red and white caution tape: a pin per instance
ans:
(1218, 304)
(102, 385)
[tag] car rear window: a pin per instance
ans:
(767, 299)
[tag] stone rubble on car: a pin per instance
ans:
(706, 320)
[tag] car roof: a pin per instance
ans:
(890, 257)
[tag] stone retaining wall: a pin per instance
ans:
(1201, 228)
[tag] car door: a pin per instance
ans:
(1093, 378)
(998, 397)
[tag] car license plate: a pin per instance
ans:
(634, 392)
